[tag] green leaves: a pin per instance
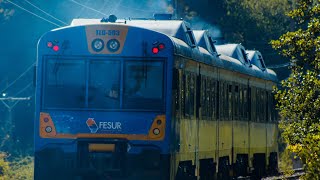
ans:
(299, 96)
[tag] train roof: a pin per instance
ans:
(256, 58)
(177, 28)
(204, 40)
(236, 51)
(196, 44)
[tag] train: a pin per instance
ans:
(151, 99)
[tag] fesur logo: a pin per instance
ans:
(104, 126)
(92, 125)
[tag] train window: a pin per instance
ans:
(176, 91)
(258, 105)
(236, 102)
(269, 106)
(213, 100)
(65, 85)
(198, 90)
(204, 102)
(225, 102)
(209, 98)
(217, 100)
(241, 104)
(192, 85)
(248, 98)
(253, 105)
(222, 100)
(104, 84)
(183, 94)
(263, 105)
(229, 101)
(143, 85)
(190, 95)
(187, 95)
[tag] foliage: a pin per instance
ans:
(20, 168)
(254, 18)
(252, 23)
(285, 163)
(299, 97)
(4, 166)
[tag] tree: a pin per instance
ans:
(257, 22)
(299, 96)
(5, 11)
(252, 23)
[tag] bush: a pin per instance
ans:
(4, 166)
(19, 168)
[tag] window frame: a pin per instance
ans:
(87, 60)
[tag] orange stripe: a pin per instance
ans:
(150, 136)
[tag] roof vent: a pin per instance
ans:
(162, 16)
(112, 18)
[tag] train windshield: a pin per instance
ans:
(143, 85)
(65, 84)
(98, 84)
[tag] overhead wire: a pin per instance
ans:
(106, 2)
(32, 13)
(23, 89)
(45, 12)
(88, 7)
(82, 9)
(279, 65)
(115, 7)
(21, 98)
(20, 76)
(27, 70)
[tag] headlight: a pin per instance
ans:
(113, 45)
(156, 131)
(48, 129)
(97, 45)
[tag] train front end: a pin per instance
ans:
(102, 103)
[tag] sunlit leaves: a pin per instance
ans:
(20, 168)
(299, 95)
(253, 18)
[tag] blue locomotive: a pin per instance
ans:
(150, 98)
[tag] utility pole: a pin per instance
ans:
(4, 99)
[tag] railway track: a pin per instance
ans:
(296, 175)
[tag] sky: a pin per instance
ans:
(24, 21)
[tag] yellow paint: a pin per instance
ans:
(225, 138)
(240, 138)
(207, 139)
